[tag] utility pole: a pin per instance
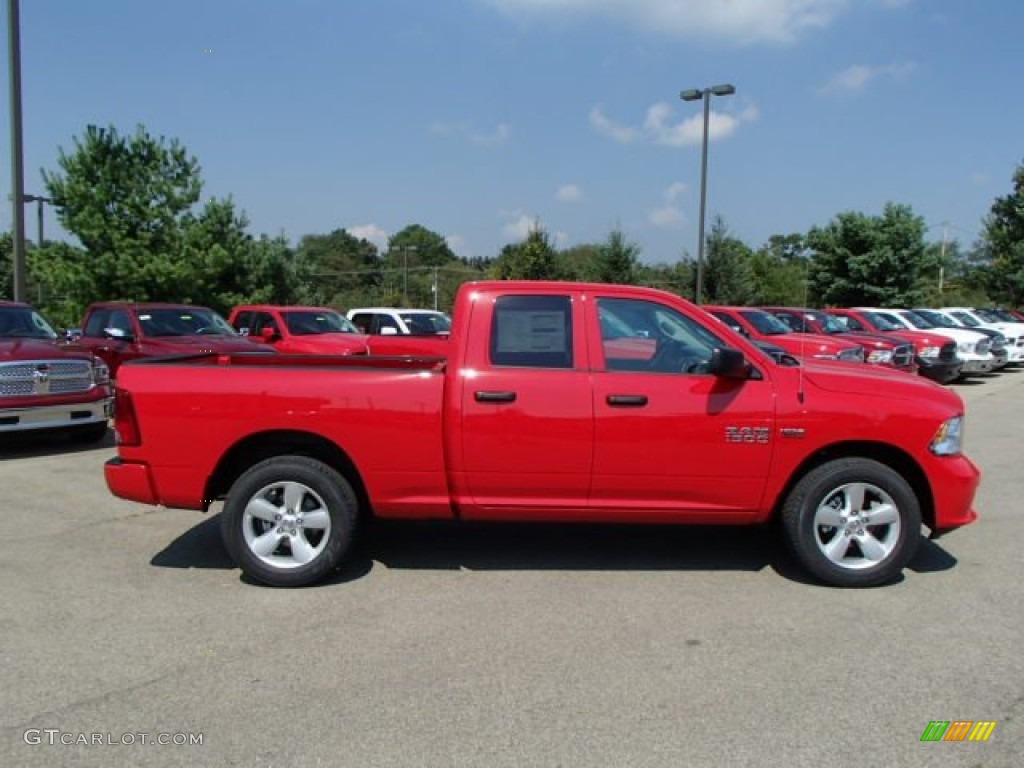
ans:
(17, 150)
(942, 255)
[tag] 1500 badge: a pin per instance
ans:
(746, 434)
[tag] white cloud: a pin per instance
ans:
(569, 193)
(737, 21)
(496, 138)
(371, 232)
(673, 191)
(858, 76)
(620, 133)
(521, 227)
(666, 217)
(659, 126)
(456, 242)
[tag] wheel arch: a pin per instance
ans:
(266, 445)
(895, 458)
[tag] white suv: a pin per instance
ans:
(1013, 331)
(971, 347)
(388, 321)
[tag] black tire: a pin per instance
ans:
(851, 493)
(321, 494)
(91, 433)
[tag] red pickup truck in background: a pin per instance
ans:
(880, 350)
(760, 325)
(299, 330)
(935, 354)
(324, 331)
(557, 402)
(46, 385)
(119, 331)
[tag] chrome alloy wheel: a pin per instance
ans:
(286, 524)
(857, 526)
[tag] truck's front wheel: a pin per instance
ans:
(289, 521)
(853, 522)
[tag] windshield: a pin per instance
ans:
(183, 321)
(884, 322)
(24, 323)
(916, 320)
(966, 319)
(996, 316)
(937, 319)
(827, 322)
(313, 323)
(427, 322)
(765, 323)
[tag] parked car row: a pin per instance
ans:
(942, 344)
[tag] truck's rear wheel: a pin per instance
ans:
(853, 522)
(289, 521)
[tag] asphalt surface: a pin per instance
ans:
(500, 646)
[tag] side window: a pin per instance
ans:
(361, 320)
(731, 322)
(641, 335)
(532, 332)
(243, 321)
(96, 323)
(261, 320)
(852, 323)
(120, 320)
(385, 321)
(792, 322)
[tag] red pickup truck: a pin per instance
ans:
(45, 385)
(324, 331)
(557, 402)
(117, 331)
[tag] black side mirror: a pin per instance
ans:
(728, 363)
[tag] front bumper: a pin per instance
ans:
(56, 416)
(978, 365)
(954, 481)
(942, 371)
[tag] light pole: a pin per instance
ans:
(405, 271)
(692, 95)
(38, 200)
(17, 154)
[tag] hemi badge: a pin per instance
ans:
(794, 432)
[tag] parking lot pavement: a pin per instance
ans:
(501, 646)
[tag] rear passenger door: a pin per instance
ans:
(525, 417)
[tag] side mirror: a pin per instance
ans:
(387, 330)
(268, 334)
(118, 333)
(728, 363)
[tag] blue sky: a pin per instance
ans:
(478, 118)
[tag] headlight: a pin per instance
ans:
(852, 353)
(949, 438)
(100, 373)
(880, 356)
(929, 352)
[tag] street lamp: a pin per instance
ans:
(694, 94)
(405, 270)
(39, 200)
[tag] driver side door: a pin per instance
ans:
(671, 441)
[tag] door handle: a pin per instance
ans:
(627, 401)
(495, 397)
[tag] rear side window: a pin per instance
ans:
(532, 332)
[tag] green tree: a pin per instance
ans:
(779, 271)
(338, 269)
(532, 259)
(727, 275)
(875, 260)
(617, 260)
(1002, 246)
(128, 200)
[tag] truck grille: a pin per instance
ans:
(902, 355)
(45, 377)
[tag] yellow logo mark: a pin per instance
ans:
(982, 730)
